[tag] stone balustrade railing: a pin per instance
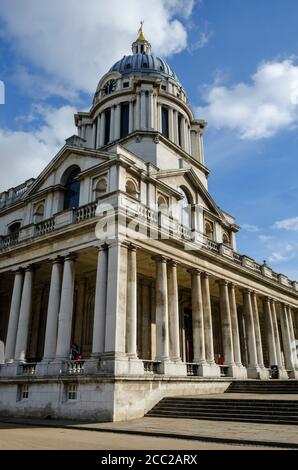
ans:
(151, 367)
(74, 367)
(28, 369)
(157, 221)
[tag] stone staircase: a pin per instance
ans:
(264, 386)
(250, 409)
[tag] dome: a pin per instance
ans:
(144, 64)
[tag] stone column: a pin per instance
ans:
(151, 111)
(162, 321)
(24, 318)
(270, 332)
(253, 370)
(257, 329)
(94, 132)
(131, 318)
(264, 373)
(14, 316)
(137, 111)
(112, 124)
(98, 132)
(143, 110)
(102, 129)
(197, 318)
(66, 309)
(117, 116)
(173, 306)
(293, 339)
(214, 370)
(226, 327)
(171, 124)
(235, 331)
(99, 322)
(131, 117)
(53, 311)
(183, 134)
(282, 372)
(287, 340)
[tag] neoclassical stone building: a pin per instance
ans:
(117, 250)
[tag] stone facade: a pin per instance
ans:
(120, 280)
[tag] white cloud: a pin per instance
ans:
(257, 110)
(202, 42)
(290, 224)
(77, 42)
(250, 228)
(25, 154)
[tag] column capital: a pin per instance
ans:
(102, 247)
(172, 263)
(246, 291)
(194, 271)
(70, 257)
(132, 247)
(205, 275)
(223, 282)
(160, 258)
(56, 259)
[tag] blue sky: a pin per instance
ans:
(236, 59)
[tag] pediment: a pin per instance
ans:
(192, 181)
(66, 157)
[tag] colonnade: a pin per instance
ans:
(145, 113)
(116, 318)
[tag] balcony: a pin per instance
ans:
(161, 224)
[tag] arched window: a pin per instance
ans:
(185, 208)
(162, 204)
(131, 188)
(101, 187)
(14, 228)
(38, 213)
(72, 188)
(209, 230)
(165, 121)
(124, 126)
(226, 239)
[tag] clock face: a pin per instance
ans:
(109, 87)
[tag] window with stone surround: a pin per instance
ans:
(72, 392)
(209, 229)
(132, 188)
(23, 392)
(226, 239)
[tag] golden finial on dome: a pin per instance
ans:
(141, 36)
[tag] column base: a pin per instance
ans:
(208, 370)
(256, 372)
(283, 374)
(237, 372)
(293, 374)
(176, 369)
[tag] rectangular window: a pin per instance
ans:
(125, 84)
(165, 121)
(107, 126)
(124, 120)
(179, 130)
(23, 392)
(72, 391)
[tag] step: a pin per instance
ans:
(217, 414)
(276, 411)
(220, 418)
(288, 414)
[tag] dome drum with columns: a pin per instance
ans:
(120, 279)
(141, 93)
